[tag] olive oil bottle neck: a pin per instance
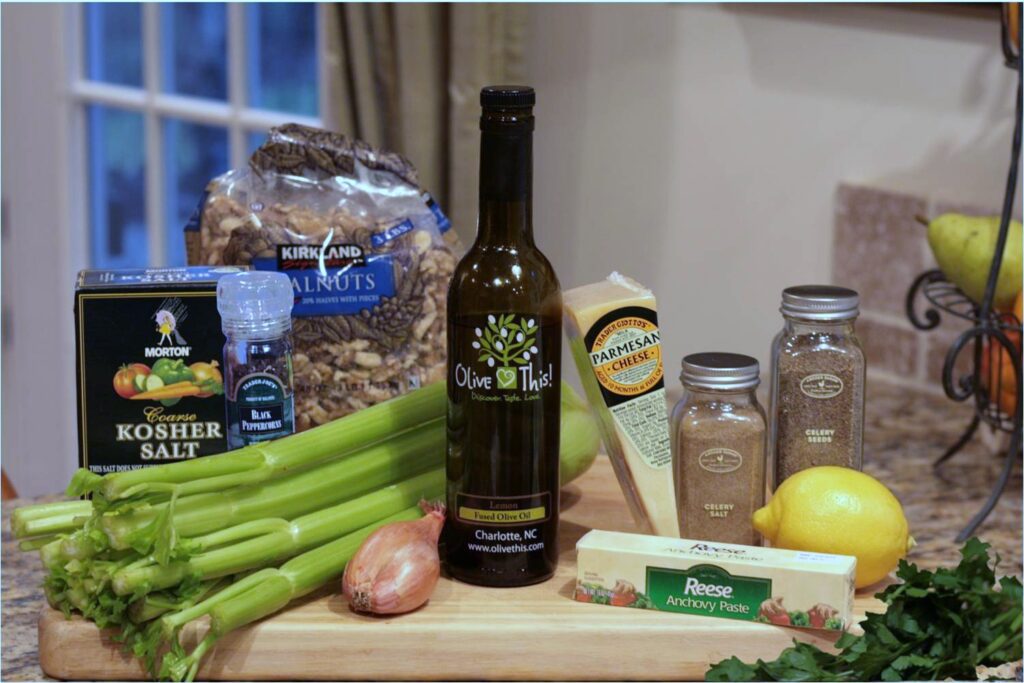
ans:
(506, 187)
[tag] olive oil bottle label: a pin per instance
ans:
(507, 361)
(502, 462)
(504, 511)
(624, 349)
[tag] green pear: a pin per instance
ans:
(964, 246)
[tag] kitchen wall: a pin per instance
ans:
(699, 148)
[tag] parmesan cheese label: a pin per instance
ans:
(626, 354)
(624, 347)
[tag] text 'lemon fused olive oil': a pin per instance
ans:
(504, 370)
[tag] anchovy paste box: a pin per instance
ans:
(148, 348)
(749, 583)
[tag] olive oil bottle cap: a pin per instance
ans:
(823, 303)
(255, 304)
(507, 96)
(720, 371)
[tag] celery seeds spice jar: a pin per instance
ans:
(818, 377)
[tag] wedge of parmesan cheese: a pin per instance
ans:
(614, 337)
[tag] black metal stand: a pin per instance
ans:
(988, 336)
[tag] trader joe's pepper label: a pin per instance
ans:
(261, 408)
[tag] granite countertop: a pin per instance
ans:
(905, 432)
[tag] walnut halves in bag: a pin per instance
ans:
(367, 252)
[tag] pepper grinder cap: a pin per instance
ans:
(824, 303)
(720, 371)
(255, 303)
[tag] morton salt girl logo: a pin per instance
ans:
(508, 347)
(169, 316)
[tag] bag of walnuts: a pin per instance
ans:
(366, 249)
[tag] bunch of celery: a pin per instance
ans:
(237, 536)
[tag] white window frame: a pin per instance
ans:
(235, 115)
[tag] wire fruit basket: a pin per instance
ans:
(993, 341)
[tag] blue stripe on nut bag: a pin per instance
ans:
(443, 222)
(381, 238)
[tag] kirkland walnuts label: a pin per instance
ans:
(624, 348)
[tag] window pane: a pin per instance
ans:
(117, 188)
(195, 154)
(254, 139)
(281, 45)
(113, 42)
(194, 49)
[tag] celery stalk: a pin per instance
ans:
(411, 452)
(299, 576)
(35, 543)
(313, 497)
(56, 524)
(260, 462)
(156, 605)
(304, 533)
(26, 520)
(239, 532)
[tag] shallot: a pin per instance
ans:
(396, 568)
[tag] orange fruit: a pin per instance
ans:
(997, 375)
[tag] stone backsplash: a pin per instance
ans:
(878, 249)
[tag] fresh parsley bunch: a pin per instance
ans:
(940, 624)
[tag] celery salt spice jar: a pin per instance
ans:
(818, 377)
(255, 309)
(718, 446)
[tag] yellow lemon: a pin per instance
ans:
(839, 511)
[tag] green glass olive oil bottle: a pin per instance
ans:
(504, 370)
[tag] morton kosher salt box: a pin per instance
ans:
(148, 353)
(749, 583)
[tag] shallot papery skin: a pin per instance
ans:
(397, 567)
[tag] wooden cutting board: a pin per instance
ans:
(464, 632)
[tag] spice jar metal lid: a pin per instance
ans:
(720, 371)
(820, 302)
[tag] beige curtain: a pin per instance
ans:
(406, 77)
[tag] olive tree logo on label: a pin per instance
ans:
(508, 359)
(505, 343)
(821, 385)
